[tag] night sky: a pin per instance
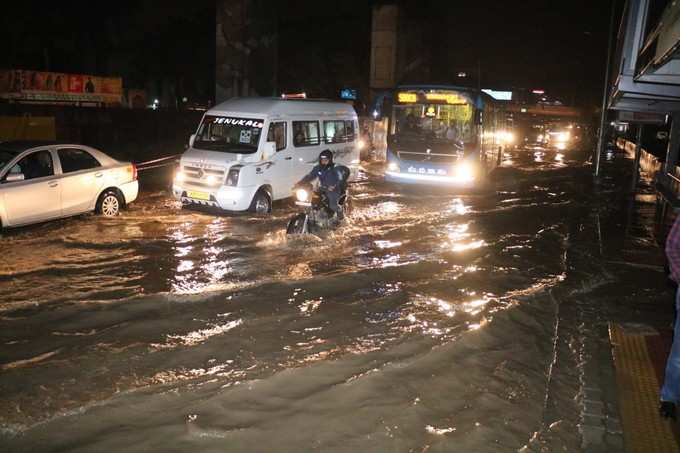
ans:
(558, 46)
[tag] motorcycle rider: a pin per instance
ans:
(331, 181)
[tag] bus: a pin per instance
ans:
(443, 135)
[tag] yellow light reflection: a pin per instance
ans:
(458, 207)
(439, 431)
(389, 207)
(387, 244)
(468, 246)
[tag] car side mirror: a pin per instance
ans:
(14, 177)
(192, 138)
(268, 150)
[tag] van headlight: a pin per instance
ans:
(392, 166)
(180, 176)
(232, 176)
(302, 195)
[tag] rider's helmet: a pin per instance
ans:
(326, 158)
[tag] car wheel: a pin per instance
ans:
(262, 203)
(109, 204)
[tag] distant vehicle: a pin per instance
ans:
(444, 135)
(249, 152)
(41, 181)
(561, 135)
(535, 136)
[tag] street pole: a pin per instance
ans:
(638, 152)
(603, 116)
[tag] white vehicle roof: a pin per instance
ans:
(276, 107)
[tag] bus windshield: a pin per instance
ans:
(433, 122)
(229, 134)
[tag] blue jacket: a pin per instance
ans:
(328, 176)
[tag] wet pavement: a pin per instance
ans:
(433, 321)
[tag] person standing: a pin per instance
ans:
(670, 392)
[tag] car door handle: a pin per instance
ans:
(289, 158)
(53, 184)
(98, 175)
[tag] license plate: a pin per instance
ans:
(199, 195)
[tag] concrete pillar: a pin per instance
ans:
(383, 48)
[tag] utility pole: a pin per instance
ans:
(603, 117)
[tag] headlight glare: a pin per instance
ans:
(302, 195)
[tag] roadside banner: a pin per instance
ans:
(59, 88)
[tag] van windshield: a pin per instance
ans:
(229, 134)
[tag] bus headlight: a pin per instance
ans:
(302, 195)
(464, 172)
(393, 166)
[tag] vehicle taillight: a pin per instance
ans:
(132, 171)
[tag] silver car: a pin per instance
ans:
(41, 181)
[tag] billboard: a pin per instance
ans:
(46, 87)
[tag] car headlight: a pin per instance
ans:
(302, 195)
(232, 176)
(393, 166)
(180, 176)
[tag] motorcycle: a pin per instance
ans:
(317, 214)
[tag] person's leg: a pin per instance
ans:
(670, 392)
(333, 198)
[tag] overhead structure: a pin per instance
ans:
(644, 87)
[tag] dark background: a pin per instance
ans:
(323, 45)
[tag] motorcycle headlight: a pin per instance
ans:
(232, 176)
(302, 195)
(361, 144)
(393, 166)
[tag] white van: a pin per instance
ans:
(248, 152)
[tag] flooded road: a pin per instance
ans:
(422, 325)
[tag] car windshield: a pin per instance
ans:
(6, 156)
(229, 134)
(434, 122)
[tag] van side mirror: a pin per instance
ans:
(268, 150)
(14, 177)
(192, 138)
(662, 135)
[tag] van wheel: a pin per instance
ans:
(262, 203)
(109, 203)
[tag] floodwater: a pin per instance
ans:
(419, 326)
